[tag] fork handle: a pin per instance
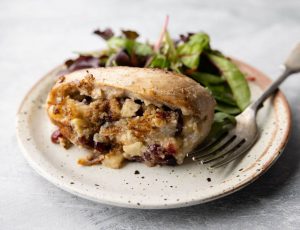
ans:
(271, 89)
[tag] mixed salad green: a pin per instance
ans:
(190, 55)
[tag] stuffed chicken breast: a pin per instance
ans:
(138, 114)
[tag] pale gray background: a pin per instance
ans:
(38, 35)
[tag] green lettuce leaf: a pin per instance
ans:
(131, 46)
(160, 61)
(142, 49)
(169, 48)
(189, 52)
(235, 79)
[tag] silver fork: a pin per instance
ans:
(243, 136)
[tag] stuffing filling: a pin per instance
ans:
(117, 127)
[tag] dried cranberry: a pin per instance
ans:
(166, 108)
(151, 155)
(137, 101)
(170, 160)
(88, 142)
(156, 149)
(109, 118)
(87, 100)
(158, 155)
(163, 114)
(98, 146)
(55, 136)
(101, 147)
(171, 149)
(140, 112)
(179, 126)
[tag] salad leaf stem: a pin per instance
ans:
(162, 34)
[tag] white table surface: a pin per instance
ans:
(38, 35)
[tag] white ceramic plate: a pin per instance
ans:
(136, 185)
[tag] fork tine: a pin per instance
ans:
(232, 156)
(206, 145)
(215, 147)
(196, 152)
(231, 147)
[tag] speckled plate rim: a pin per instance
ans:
(262, 81)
